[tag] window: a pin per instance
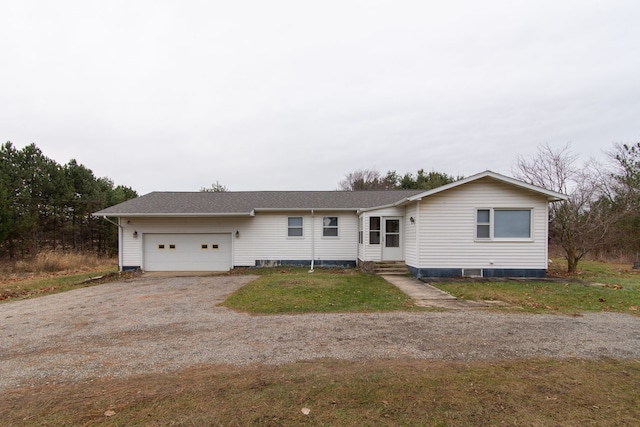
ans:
(374, 230)
(204, 246)
(360, 232)
(483, 224)
(172, 246)
(214, 246)
(160, 246)
(295, 224)
(503, 224)
(330, 226)
(512, 224)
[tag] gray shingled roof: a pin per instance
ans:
(243, 203)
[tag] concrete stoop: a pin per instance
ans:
(391, 268)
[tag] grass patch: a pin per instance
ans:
(323, 291)
(24, 288)
(617, 289)
(53, 272)
(341, 393)
(599, 272)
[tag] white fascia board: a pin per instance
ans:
(375, 208)
(552, 196)
(306, 210)
(176, 215)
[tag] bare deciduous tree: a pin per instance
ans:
(367, 179)
(215, 188)
(581, 223)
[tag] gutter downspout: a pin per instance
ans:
(313, 241)
(119, 240)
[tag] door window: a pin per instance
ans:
(392, 233)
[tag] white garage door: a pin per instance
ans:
(187, 252)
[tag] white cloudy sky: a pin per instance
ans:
(260, 95)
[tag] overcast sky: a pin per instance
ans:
(292, 95)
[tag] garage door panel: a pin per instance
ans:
(187, 252)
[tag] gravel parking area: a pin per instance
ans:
(156, 324)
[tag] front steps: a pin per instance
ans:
(390, 268)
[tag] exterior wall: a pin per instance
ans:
(132, 247)
(367, 252)
(446, 224)
(262, 237)
(266, 239)
(411, 248)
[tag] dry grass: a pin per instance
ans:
(339, 393)
(52, 272)
(53, 261)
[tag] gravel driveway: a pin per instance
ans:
(159, 324)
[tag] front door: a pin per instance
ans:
(392, 241)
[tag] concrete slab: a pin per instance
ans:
(425, 295)
(183, 273)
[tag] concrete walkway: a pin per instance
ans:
(425, 295)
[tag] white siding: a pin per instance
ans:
(369, 252)
(410, 234)
(263, 237)
(447, 228)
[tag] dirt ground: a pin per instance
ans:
(162, 324)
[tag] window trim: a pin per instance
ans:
(295, 227)
(375, 231)
(330, 227)
(491, 224)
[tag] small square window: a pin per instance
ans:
(204, 246)
(295, 226)
(214, 246)
(330, 226)
(172, 246)
(160, 246)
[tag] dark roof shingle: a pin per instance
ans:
(239, 203)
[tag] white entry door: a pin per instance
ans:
(392, 240)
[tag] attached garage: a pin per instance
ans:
(187, 252)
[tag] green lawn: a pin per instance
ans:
(617, 288)
(323, 291)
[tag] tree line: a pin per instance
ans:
(600, 217)
(45, 205)
(372, 179)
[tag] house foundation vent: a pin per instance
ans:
(471, 272)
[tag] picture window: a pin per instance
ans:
(503, 224)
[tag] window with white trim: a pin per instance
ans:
(295, 226)
(330, 226)
(496, 224)
(374, 230)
